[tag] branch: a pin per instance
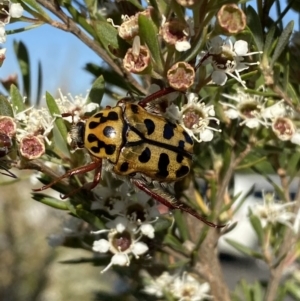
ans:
(70, 26)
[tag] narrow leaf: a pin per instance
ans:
(50, 201)
(5, 107)
(174, 243)
(54, 111)
(16, 99)
(90, 218)
(110, 39)
(148, 34)
(243, 249)
(269, 40)
(39, 84)
(97, 90)
(24, 64)
(256, 224)
(181, 224)
(39, 11)
(282, 42)
(254, 24)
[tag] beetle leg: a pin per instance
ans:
(95, 165)
(171, 202)
(9, 173)
(156, 95)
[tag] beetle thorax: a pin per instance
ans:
(104, 133)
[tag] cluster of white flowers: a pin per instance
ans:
(133, 221)
(227, 59)
(272, 212)
(194, 117)
(8, 10)
(34, 121)
(74, 107)
(185, 287)
(253, 111)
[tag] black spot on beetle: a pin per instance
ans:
(149, 125)
(182, 171)
(111, 116)
(134, 109)
(145, 156)
(188, 138)
(169, 130)
(163, 163)
(109, 148)
(181, 144)
(93, 124)
(98, 115)
(124, 167)
(109, 132)
(179, 158)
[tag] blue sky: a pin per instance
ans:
(63, 57)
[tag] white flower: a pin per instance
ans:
(188, 288)
(132, 209)
(296, 225)
(248, 107)
(194, 117)
(74, 106)
(158, 286)
(227, 59)
(296, 137)
(16, 10)
(12, 10)
(183, 288)
(122, 245)
(2, 34)
(272, 213)
(35, 121)
(182, 46)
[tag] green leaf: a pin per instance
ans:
(39, 84)
(269, 40)
(256, 224)
(162, 224)
(38, 12)
(97, 91)
(149, 35)
(110, 39)
(293, 288)
(54, 111)
(16, 99)
(174, 243)
(5, 107)
(90, 218)
(254, 24)
(243, 249)
(79, 18)
(282, 42)
(181, 224)
(24, 64)
(50, 201)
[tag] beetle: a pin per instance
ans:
(146, 148)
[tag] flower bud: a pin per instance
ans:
(137, 58)
(130, 27)
(32, 147)
(283, 128)
(181, 76)
(175, 33)
(231, 19)
(7, 126)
